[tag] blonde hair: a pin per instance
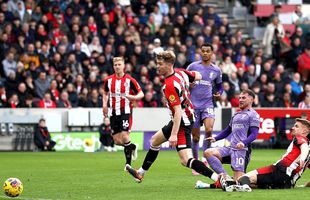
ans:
(304, 122)
(167, 56)
(119, 58)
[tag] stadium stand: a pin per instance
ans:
(74, 41)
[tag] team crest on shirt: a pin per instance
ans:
(172, 98)
(211, 74)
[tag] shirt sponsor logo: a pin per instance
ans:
(172, 98)
(203, 82)
(238, 126)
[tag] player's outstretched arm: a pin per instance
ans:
(223, 134)
(138, 96)
(198, 76)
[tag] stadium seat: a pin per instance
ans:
(289, 27)
(295, 2)
(264, 2)
(258, 32)
(239, 12)
(287, 8)
(263, 10)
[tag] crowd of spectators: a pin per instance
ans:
(57, 53)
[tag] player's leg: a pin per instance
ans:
(239, 162)
(157, 139)
(195, 142)
(186, 154)
(208, 122)
(196, 134)
(129, 147)
(214, 157)
(262, 178)
(187, 160)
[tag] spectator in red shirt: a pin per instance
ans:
(304, 64)
(47, 101)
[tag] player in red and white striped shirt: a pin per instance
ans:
(285, 172)
(178, 130)
(120, 90)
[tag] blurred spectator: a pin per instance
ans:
(3, 96)
(42, 137)
(22, 93)
(9, 64)
(13, 101)
(223, 102)
(163, 7)
(64, 101)
(304, 64)
(269, 100)
(286, 101)
(83, 98)
(29, 102)
(47, 101)
(296, 85)
(148, 100)
(73, 97)
(21, 12)
(54, 90)
(94, 101)
(274, 32)
(95, 45)
(298, 16)
(42, 84)
(305, 104)
(306, 91)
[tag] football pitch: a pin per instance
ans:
(79, 175)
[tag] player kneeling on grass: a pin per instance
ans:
(243, 128)
(178, 130)
(284, 173)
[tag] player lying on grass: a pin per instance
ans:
(285, 172)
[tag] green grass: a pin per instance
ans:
(81, 176)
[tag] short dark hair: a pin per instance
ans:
(41, 120)
(249, 92)
(207, 45)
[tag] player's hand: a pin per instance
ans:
(211, 139)
(47, 143)
(130, 97)
(105, 111)
(193, 84)
(217, 95)
(173, 141)
(240, 145)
